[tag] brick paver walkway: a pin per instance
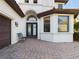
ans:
(37, 49)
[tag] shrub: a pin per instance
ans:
(76, 36)
(76, 26)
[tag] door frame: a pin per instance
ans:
(32, 29)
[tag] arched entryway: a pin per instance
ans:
(31, 25)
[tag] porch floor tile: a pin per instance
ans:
(37, 49)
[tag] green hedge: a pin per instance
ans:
(76, 36)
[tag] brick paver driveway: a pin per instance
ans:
(37, 49)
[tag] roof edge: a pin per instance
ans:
(62, 1)
(15, 7)
(59, 11)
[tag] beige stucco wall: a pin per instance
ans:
(53, 36)
(9, 12)
(40, 2)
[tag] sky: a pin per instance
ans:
(72, 4)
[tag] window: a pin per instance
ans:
(60, 6)
(47, 24)
(27, 1)
(32, 18)
(63, 23)
(35, 1)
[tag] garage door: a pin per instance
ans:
(5, 31)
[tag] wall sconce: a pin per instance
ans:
(16, 24)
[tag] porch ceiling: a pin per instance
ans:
(15, 7)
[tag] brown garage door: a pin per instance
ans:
(5, 31)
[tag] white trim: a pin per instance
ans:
(5, 14)
(34, 4)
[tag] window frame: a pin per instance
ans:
(66, 24)
(60, 6)
(35, 1)
(46, 24)
(26, 1)
(31, 16)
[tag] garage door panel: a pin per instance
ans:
(4, 43)
(5, 31)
